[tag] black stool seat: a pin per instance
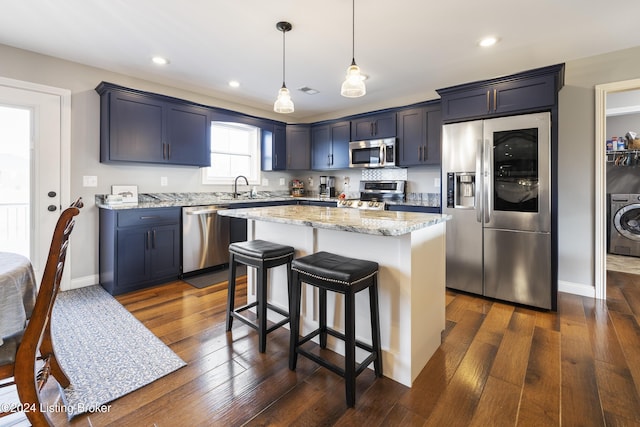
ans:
(337, 273)
(339, 270)
(261, 250)
(261, 255)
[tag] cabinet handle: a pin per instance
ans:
(372, 129)
(495, 100)
(488, 102)
(153, 241)
(148, 242)
(144, 217)
(168, 151)
(331, 157)
(375, 128)
(424, 153)
(275, 156)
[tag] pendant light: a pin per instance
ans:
(283, 103)
(353, 86)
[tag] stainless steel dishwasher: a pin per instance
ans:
(205, 238)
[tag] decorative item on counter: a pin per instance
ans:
(127, 194)
(297, 188)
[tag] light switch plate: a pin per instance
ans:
(89, 181)
(164, 181)
(282, 181)
(265, 182)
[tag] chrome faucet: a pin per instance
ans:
(235, 185)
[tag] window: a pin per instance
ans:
(235, 150)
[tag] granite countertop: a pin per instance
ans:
(167, 200)
(382, 223)
(164, 200)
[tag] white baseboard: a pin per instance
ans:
(576, 289)
(82, 282)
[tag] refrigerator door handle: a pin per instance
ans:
(487, 180)
(478, 184)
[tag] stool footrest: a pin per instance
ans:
(335, 368)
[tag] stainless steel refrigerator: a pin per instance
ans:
(496, 176)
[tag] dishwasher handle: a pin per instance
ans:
(206, 211)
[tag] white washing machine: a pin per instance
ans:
(625, 224)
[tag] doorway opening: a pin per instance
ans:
(601, 180)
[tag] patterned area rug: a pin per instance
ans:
(105, 351)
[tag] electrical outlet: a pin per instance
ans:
(265, 182)
(89, 181)
(164, 181)
(282, 181)
(436, 182)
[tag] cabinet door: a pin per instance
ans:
(469, 103)
(411, 136)
(523, 94)
(273, 152)
(431, 155)
(135, 129)
(132, 264)
(374, 126)
(165, 251)
(188, 135)
(340, 136)
(280, 147)
(298, 147)
(320, 147)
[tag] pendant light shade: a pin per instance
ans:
(283, 103)
(353, 86)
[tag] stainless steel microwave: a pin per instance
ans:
(375, 153)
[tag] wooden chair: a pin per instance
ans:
(36, 347)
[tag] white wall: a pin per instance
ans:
(576, 172)
(576, 150)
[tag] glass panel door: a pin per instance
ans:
(515, 170)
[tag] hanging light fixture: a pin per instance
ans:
(283, 103)
(353, 85)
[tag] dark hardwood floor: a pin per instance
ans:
(498, 365)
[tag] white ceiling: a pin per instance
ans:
(409, 48)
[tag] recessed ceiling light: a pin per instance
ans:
(234, 83)
(488, 41)
(159, 60)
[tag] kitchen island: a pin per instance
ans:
(408, 246)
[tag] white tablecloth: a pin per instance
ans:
(17, 293)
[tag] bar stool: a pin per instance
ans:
(262, 255)
(348, 276)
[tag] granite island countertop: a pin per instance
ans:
(382, 223)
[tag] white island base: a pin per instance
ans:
(411, 288)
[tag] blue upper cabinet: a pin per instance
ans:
(298, 147)
(147, 128)
(274, 148)
(374, 126)
(419, 132)
(330, 145)
(529, 91)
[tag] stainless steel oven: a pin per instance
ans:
(375, 153)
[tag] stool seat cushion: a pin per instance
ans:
(335, 268)
(261, 249)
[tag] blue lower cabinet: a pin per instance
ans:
(139, 248)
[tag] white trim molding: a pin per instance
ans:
(601, 180)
